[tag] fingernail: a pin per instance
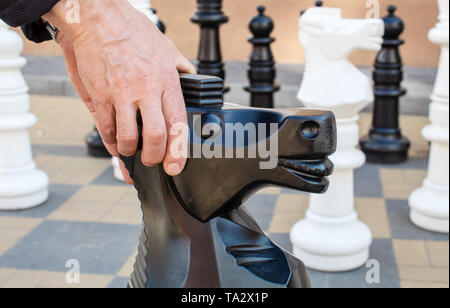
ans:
(173, 169)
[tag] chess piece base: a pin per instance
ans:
(430, 207)
(23, 189)
(116, 167)
(385, 150)
(95, 146)
(331, 244)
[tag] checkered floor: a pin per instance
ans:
(94, 219)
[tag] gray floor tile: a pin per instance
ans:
(381, 251)
(262, 209)
(411, 163)
(282, 240)
(368, 182)
(100, 248)
(107, 178)
(59, 194)
(58, 150)
(403, 228)
(119, 283)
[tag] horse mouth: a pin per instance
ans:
(312, 171)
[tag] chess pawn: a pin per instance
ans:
(22, 186)
(385, 143)
(210, 17)
(262, 71)
(331, 238)
(430, 203)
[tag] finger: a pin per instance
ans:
(125, 173)
(154, 131)
(72, 71)
(127, 131)
(112, 149)
(105, 117)
(184, 65)
(178, 132)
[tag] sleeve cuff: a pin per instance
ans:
(24, 12)
(36, 32)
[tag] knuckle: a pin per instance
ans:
(127, 139)
(108, 131)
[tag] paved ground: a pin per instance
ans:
(47, 76)
(96, 220)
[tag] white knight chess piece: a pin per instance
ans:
(430, 203)
(331, 238)
(22, 186)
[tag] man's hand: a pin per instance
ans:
(119, 62)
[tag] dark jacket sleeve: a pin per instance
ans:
(27, 14)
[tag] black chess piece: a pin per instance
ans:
(161, 25)
(95, 145)
(196, 232)
(262, 71)
(210, 17)
(317, 4)
(385, 143)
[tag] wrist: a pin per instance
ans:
(76, 18)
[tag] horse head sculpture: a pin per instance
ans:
(197, 233)
(328, 39)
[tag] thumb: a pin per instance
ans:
(184, 65)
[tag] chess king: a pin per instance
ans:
(197, 233)
(331, 238)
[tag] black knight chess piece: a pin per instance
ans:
(196, 232)
(262, 71)
(385, 143)
(210, 17)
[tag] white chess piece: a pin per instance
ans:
(146, 8)
(22, 186)
(331, 238)
(430, 203)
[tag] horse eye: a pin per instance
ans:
(310, 130)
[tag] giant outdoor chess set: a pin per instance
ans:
(330, 237)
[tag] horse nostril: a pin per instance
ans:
(310, 130)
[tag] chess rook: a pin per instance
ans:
(331, 238)
(262, 70)
(385, 143)
(22, 186)
(430, 203)
(210, 17)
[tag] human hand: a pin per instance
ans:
(119, 63)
